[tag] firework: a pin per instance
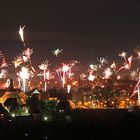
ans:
(68, 88)
(118, 77)
(107, 73)
(18, 61)
(136, 87)
(64, 72)
(3, 74)
(57, 51)
(7, 84)
(94, 67)
(44, 66)
(26, 54)
(91, 77)
(123, 55)
(21, 33)
(65, 68)
(4, 63)
(102, 61)
(127, 64)
(134, 74)
(24, 75)
(113, 66)
(49, 75)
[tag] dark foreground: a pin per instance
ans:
(81, 124)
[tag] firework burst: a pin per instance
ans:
(57, 52)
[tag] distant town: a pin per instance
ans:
(47, 93)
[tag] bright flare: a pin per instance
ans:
(24, 76)
(57, 51)
(68, 88)
(21, 33)
(107, 73)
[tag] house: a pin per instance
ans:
(11, 92)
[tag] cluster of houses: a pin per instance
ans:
(12, 94)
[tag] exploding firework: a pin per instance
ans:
(62, 72)
(46, 74)
(24, 75)
(26, 54)
(94, 67)
(107, 73)
(127, 64)
(44, 65)
(4, 63)
(21, 33)
(68, 88)
(91, 77)
(3, 74)
(102, 61)
(7, 84)
(57, 52)
(65, 72)
(113, 66)
(17, 61)
(123, 55)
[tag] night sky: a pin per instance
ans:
(84, 29)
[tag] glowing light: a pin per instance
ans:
(46, 73)
(13, 115)
(44, 65)
(102, 61)
(123, 55)
(18, 61)
(68, 88)
(113, 66)
(74, 83)
(45, 118)
(24, 75)
(21, 33)
(107, 73)
(118, 77)
(26, 54)
(91, 77)
(127, 64)
(65, 68)
(57, 51)
(3, 73)
(94, 67)
(4, 63)
(64, 72)
(7, 83)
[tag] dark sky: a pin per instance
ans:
(84, 29)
